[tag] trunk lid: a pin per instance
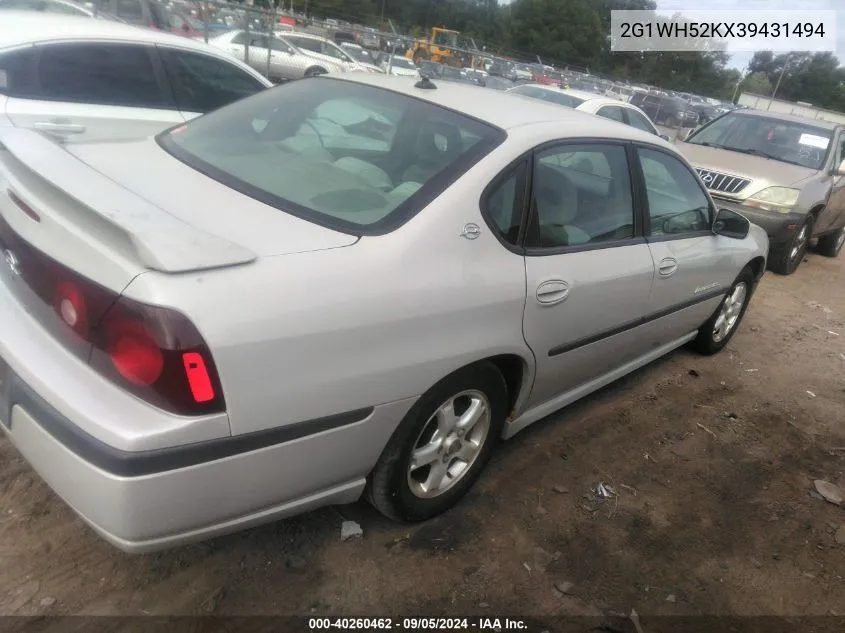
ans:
(113, 210)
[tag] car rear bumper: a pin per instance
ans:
(778, 226)
(146, 480)
(165, 505)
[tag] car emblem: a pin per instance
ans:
(12, 261)
(471, 231)
(707, 178)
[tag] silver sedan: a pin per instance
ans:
(273, 56)
(334, 288)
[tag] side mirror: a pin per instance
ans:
(731, 224)
(665, 137)
(840, 171)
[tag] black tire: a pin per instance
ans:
(707, 342)
(388, 487)
(784, 259)
(831, 244)
(316, 70)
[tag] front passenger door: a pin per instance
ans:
(589, 271)
(693, 267)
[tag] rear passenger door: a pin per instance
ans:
(201, 83)
(93, 91)
(589, 270)
(693, 267)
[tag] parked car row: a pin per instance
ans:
(285, 56)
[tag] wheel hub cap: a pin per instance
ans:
(449, 444)
(729, 312)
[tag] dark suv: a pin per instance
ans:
(664, 110)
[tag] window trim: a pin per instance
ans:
(638, 232)
(498, 179)
(646, 213)
(40, 47)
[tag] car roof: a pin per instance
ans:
(497, 107)
(309, 36)
(580, 94)
(31, 27)
(791, 118)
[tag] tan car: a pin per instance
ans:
(783, 172)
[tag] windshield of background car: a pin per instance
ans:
(352, 157)
(559, 98)
(403, 62)
(786, 141)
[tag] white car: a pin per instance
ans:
(399, 66)
(363, 56)
(324, 49)
(350, 284)
(63, 7)
(91, 80)
(606, 107)
(275, 56)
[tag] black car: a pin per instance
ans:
(706, 113)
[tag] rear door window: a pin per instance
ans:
(614, 113)
(100, 73)
(201, 83)
(637, 120)
(17, 77)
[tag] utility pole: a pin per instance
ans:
(739, 81)
(777, 85)
(381, 22)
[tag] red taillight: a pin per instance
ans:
(155, 353)
(133, 351)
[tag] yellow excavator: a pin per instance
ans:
(441, 48)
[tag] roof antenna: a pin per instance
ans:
(425, 83)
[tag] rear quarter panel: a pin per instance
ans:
(301, 336)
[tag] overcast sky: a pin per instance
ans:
(739, 60)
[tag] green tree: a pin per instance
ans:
(757, 83)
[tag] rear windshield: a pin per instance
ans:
(352, 157)
(552, 96)
(776, 139)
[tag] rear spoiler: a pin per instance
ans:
(161, 241)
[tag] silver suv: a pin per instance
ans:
(783, 172)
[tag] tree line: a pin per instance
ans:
(575, 33)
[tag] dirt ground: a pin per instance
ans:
(712, 461)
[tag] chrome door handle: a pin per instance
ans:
(552, 292)
(667, 267)
(59, 128)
